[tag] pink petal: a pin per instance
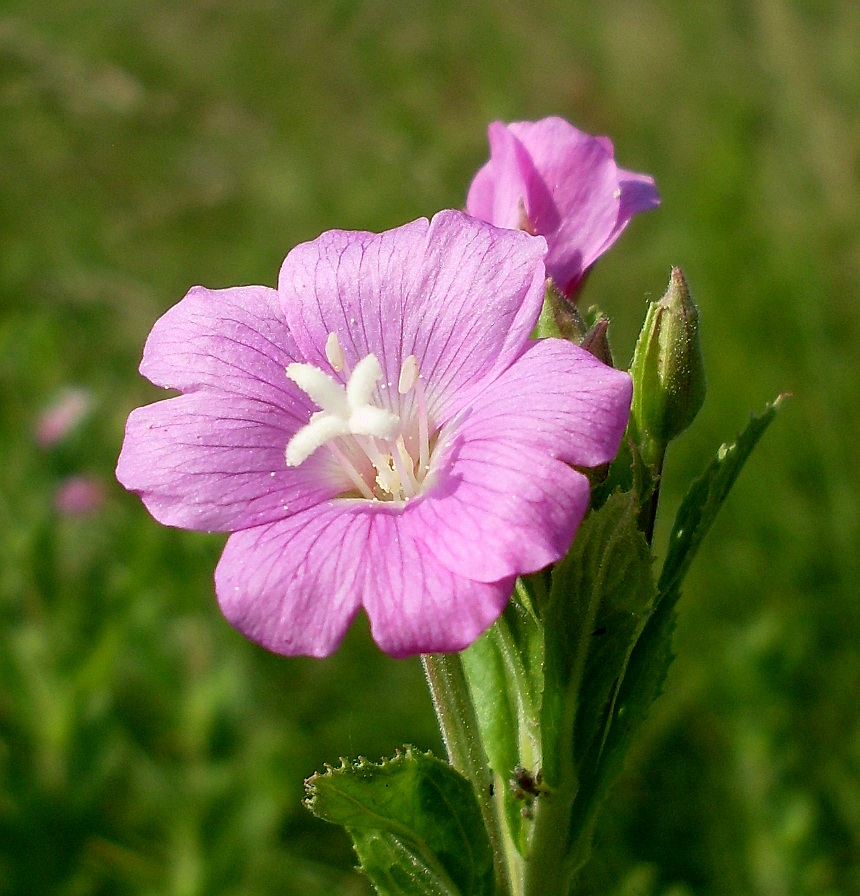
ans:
(505, 188)
(216, 462)
(226, 340)
(505, 501)
(557, 400)
(295, 586)
(499, 512)
(290, 585)
(415, 603)
(570, 187)
(459, 294)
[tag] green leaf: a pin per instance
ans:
(702, 502)
(652, 655)
(601, 594)
(415, 823)
(504, 668)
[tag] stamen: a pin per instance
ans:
(408, 375)
(386, 477)
(410, 484)
(524, 221)
(334, 353)
(423, 429)
(350, 470)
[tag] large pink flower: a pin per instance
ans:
(379, 432)
(549, 178)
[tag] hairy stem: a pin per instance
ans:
(461, 735)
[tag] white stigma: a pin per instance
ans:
(345, 410)
(384, 455)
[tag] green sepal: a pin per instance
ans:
(414, 821)
(504, 668)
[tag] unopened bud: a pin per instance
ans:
(668, 371)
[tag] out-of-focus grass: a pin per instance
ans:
(144, 746)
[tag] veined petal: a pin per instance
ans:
(294, 586)
(558, 401)
(499, 512)
(290, 586)
(351, 283)
(216, 463)
(459, 294)
(464, 343)
(229, 340)
(417, 604)
(568, 185)
(506, 484)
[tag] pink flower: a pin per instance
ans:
(68, 410)
(549, 178)
(370, 440)
(79, 496)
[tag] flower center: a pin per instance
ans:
(384, 454)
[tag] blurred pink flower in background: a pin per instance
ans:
(79, 496)
(65, 413)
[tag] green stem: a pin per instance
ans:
(547, 868)
(458, 723)
(654, 454)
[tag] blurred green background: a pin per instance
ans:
(145, 747)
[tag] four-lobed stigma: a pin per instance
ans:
(384, 453)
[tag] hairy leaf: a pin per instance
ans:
(415, 823)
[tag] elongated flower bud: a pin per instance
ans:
(668, 371)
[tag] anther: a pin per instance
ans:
(334, 353)
(408, 375)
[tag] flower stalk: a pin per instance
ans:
(458, 724)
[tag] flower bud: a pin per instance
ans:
(668, 371)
